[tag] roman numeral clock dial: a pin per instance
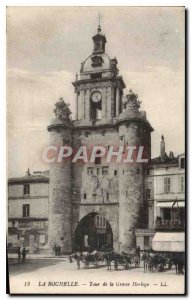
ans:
(96, 97)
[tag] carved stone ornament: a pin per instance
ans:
(96, 61)
(62, 110)
(131, 99)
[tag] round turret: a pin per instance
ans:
(60, 181)
(133, 131)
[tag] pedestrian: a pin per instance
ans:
(78, 258)
(24, 254)
(58, 250)
(54, 249)
(137, 251)
(144, 258)
(19, 254)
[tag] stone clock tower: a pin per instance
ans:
(98, 204)
(99, 89)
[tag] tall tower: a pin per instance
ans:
(134, 131)
(99, 89)
(112, 190)
(60, 181)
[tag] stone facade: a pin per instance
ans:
(28, 206)
(164, 196)
(113, 190)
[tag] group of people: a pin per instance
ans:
(57, 250)
(151, 260)
(21, 254)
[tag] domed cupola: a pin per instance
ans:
(98, 87)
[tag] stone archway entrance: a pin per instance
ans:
(93, 232)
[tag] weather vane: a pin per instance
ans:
(99, 19)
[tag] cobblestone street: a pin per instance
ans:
(60, 276)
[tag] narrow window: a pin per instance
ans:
(26, 210)
(182, 184)
(26, 189)
(182, 163)
(107, 196)
(87, 133)
(90, 171)
(148, 194)
(105, 170)
(167, 185)
(115, 172)
(147, 172)
(98, 159)
(85, 196)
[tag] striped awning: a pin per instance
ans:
(169, 241)
(170, 204)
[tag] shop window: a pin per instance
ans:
(167, 214)
(26, 210)
(146, 242)
(175, 214)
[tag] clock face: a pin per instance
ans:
(96, 97)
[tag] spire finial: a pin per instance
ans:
(99, 22)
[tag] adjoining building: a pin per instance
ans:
(164, 187)
(28, 212)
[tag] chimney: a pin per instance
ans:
(28, 173)
(162, 148)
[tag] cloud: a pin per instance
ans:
(30, 101)
(161, 91)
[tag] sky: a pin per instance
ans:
(45, 47)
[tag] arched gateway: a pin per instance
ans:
(93, 232)
(112, 190)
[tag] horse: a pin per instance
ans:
(117, 259)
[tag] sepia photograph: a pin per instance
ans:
(96, 150)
